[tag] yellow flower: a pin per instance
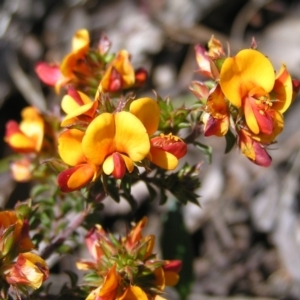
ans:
(29, 270)
(80, 46)
(165, 150)
(27, 136)
(248, 81)
(70, 151)
(115, 141)
(78, 107)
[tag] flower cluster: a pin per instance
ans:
(19, 266)
(126, 268)
(84, 67)
(245, 96)
(112, 142)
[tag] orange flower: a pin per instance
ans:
(58, 76)
(29, 270)
(14, 234)
(108, 290)
(27, 136)
(216, 118)
(253, 150)
(248, 81)
(118, 76)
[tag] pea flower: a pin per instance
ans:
(78, 107)
(26, 137)
(252, 149)
(29, 270)
(126, 268)
(81, 172)
(115, 142)
(14, 235)
(119, 74)
(59, 75)
(216, 116)
(165, 150)
(207, 61)
(249, 82)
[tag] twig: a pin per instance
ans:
(23, 83)
(60, 239)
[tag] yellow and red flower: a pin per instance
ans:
(216, 116)
(119, 75)
(252, 149)
(78, 107)
(81, 172)
(115, 142)
(26, 137)
(165, 150)
(14, 234)
(249, 82)
(29, 270)
(207, 60)
(59, 75)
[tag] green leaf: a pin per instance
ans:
(230, 141)
(176, 243)
(205, 150)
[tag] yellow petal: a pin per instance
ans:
(247, 70)
(80, 45)
(80, 40)
(98, 141)
(108, 165)
(124, 67)
(33, 126)
(69, 147)
(147, 110)
(21, 143)
(134, 293)
(128, 162)
(131, 137)
(81, 110)
(163, 159)
(68, 104)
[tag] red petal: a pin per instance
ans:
(119, 166)
(49, 74)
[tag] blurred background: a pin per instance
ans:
(244, 240)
